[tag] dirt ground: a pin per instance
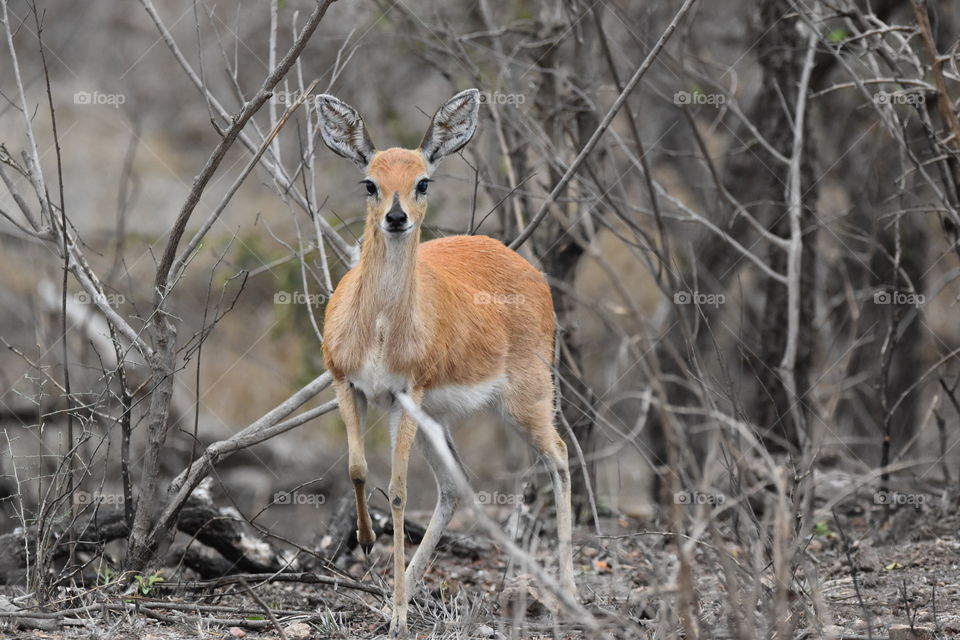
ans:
(857, 575)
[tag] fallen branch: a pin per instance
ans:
(90, 533)
(341, 537)
(457, 545)
(299, 577)
(49, 621)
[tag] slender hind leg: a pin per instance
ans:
(448, 498)
(353, 410)
(556, 460)
(536, 419)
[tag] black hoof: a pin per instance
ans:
(366, 542)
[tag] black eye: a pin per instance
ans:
(371, 187)
(422, 186)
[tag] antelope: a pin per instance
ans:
(459, 323)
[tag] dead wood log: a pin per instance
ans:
(341, 536)
(203, 560)
(223, 543)
(229, 536)
(91, 532)
(240, 550)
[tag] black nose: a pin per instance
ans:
(396, 217)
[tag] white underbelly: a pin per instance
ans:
(378, 385)
(462, 399)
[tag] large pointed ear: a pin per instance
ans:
(452, 126)
(343, 130)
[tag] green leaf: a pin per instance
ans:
(821, 528)
(837, 35)
(893, 566)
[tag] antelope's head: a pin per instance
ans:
(397, 180)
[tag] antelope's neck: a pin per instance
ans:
(388, 285)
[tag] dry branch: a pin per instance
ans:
(344, 249)
(602, 127)
(238, 122)
(266, 427)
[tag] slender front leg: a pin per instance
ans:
(403, 438)
(353, 410)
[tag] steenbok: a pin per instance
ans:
(460, 324)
